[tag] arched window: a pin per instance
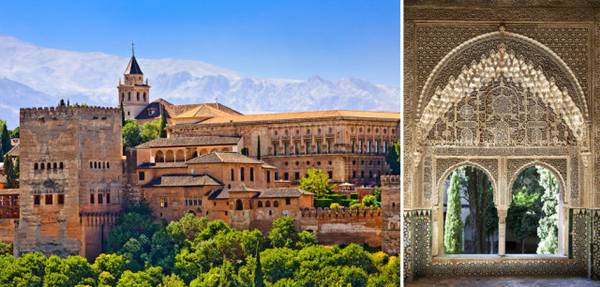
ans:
(275, 203)
(260, 204)
(42, 165)
(95, 164)
(534, 219)
(54, 165)
(169, 156)
(129, 96)
(107, 164)
(61, 165)
(144, 96)
(35, 166)
(91, 164)
(470, 215)
(239, 205)
(268, 204)
(138, 96)
(159, 157)
(232, 175)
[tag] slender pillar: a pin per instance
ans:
(502, 231)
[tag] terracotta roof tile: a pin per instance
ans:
(224, 157)
(183, 180)
(190, 141)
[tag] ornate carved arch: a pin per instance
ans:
(491, 176)
(542, 72)
(559, 172)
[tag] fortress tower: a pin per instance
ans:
(134, 92)
(71, 179)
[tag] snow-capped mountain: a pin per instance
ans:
(37, 76)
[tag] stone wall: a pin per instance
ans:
(390, 206)
(70, 165)
(343, 226)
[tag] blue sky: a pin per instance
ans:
(276, 39)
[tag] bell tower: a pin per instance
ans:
(134, 92)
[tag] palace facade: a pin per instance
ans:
(215, 162)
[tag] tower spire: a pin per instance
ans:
(132, 49)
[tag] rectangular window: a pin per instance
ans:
(286, 176)
(92, 198)
(36, 200)
(318, 147)
(362, 174)
(100, 198)
(368, 146)
(232, 175)
(274, 149)
(251, 174)
(276, 175)
(242, 174)
(61, 199)
(360, 146)
(164, 203)
(297, 148)
(268, 176)
(287, 201)
(330, 174)
(48, 199)
(352, 145)
(296, 175)
(141, 176)
(376, 146)
(306, 147)
(384, 147)
(108, 198)
(328, 147)
(354, 174)
(285, 148)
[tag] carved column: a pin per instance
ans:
(502, 230)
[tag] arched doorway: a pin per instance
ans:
(470, 215)
(534, 217)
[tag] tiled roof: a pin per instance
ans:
(183, 180)
(224, 157)
(205, 111)
(282, 192)
(303, 115)
(133, 67)
(190, 141)
(162, 165)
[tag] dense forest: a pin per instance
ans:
(194, 251)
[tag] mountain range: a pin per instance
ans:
(32, 76)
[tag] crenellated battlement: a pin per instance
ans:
(390, 180)
(66, 112)
(340, 212)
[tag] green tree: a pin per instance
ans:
(278, 263)
(547, 230)
(5, 144)
(184, 230)
(283, 232)
(110, 267)
(355, 255)
(453, 227)
(392, 158)
(150, 130)
(163, 123)
(305, 239)
(522, 218)
(316, 181)
(15, 133)
(172, 281)
(131, 134)
(12, 177)
(6, 248)
(150, 277)
(258, 280)
(370, 200)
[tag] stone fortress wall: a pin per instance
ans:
(71, 179)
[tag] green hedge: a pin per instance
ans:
(323, 202)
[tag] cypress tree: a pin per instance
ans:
(163, 123)
(5, 145)
(453, 227)
(258, 275)
(547, 230)
(11, 175)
